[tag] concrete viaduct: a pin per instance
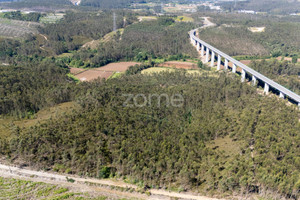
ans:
(215, 53)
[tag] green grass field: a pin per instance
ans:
(184, 19)
(196, 72)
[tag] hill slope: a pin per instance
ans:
(223, 139)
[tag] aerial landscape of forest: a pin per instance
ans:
(150, 99)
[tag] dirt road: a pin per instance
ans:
(88, 184)
(207, 23)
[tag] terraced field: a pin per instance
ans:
(20, 189)
(15, 28)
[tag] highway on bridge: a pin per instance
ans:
(245, 69)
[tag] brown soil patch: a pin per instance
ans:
(287, 58)
(246, 62)
(74, 70)
(117, 67)
(93, 74)
(179, 65)
(101, 72)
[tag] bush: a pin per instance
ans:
(276, 53)
(104, 172)
(295, 59)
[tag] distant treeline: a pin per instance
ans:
(17, 15)
(40, 4)
(272, 6)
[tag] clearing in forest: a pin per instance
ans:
(179, 65)
(101, 72)
(257, 29)
(198, 72)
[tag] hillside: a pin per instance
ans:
(174, 146)
(272, 6)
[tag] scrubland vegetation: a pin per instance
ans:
(20, 189)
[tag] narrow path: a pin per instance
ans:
(44, 37)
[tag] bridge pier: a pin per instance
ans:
(202, 50)
(212, 58)
(281, 95)
(254, 80)
(219, 62)
(266, 88)
(226, 64)
(243, 75)
(207, 54)
(233, 68)
(198, 46)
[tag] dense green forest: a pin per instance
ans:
(174, 146)
(284, 73)
(69, 34)
(141, 41)
(26, 88)
(76, 28)
(279, 38)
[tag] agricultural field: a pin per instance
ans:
(11, 188)
(184, 19)
(147, 18)
(179, 65)
(154, 70)
(15, 28)
(52, 18)
(101, 72)
(157, 70)
(180, 8)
